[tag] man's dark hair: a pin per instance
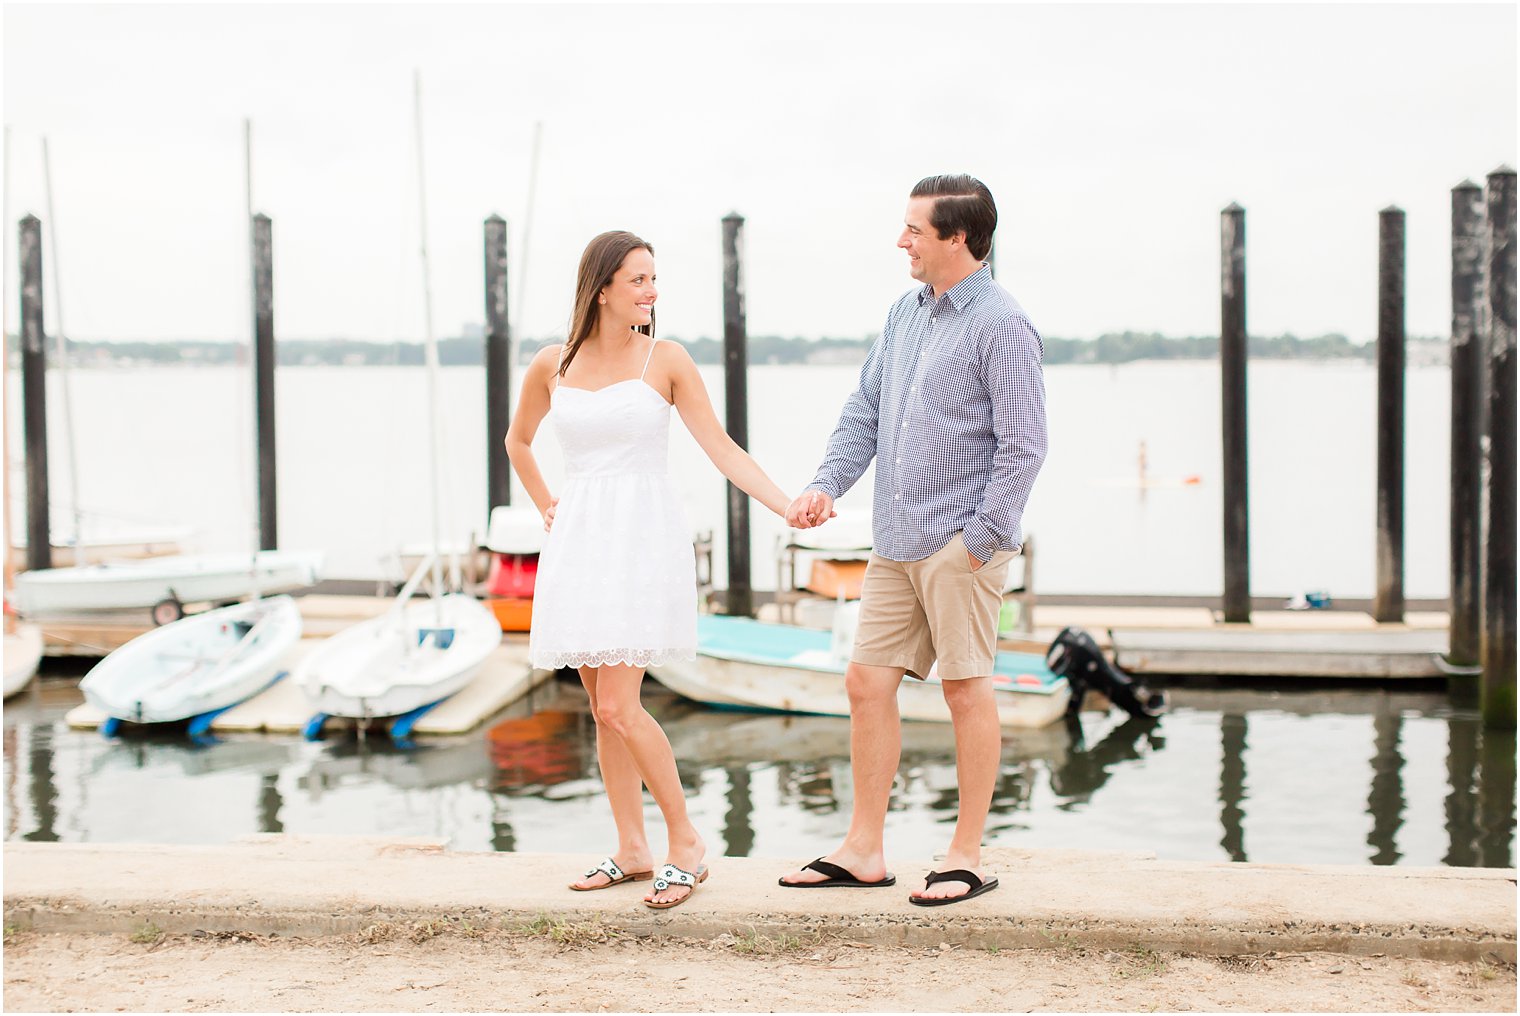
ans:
(961, 202)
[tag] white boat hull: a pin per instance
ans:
(189, 578)
(734, 683)
(66, 555)
(385, 667)
(23, 654)
(198, 664)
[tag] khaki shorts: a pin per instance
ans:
(916, 613)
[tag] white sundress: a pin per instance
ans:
(617, 575)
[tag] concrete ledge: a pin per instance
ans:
(314, 886)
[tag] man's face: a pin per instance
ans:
(929, 257)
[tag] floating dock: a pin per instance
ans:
(1160, 640)
(1241, 651)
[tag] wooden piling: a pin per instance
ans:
(262, 238)
(739, 599)
(1467, 363)
(1388, 596)
(498, 365)
(1499, 535)
(1232, 363)
(39, 543)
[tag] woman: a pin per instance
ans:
(616, 587)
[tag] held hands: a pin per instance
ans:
(811, 509)
(549, 514)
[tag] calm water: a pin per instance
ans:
(1346, 777)
(353, 467)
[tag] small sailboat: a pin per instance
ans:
(745, 664)
(197, 666)
(406, 661)
(163, 585)
(410, 658)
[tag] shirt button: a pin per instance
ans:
(899, 461)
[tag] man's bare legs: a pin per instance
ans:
(875, 748)
(978, 752)
(619, 712)
(625, 793)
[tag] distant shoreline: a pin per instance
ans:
(468, 351)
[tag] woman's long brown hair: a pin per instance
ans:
(603, 256)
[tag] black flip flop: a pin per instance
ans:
(958, 875)
(837, 878)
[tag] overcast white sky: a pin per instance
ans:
(1111, 137)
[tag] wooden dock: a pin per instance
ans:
(1241, 651)
(1172, 640)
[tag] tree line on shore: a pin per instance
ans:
(468, 350)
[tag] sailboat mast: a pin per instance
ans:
(63, 360)
(522, 269)
(431, 347)
(5, 377)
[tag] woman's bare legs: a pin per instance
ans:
(619, 712)
(625, 792)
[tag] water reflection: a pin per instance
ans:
(269, 804)
(1232, 785)
(1087, 769)
(1496, 799)
(1431, 785)
(43, 794)
(1385, 797)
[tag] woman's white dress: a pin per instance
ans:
(617, 574)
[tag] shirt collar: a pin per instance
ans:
(964, 291)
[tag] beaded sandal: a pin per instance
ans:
(617, 875)
(669, 876)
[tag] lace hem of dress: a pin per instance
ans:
(606, 657)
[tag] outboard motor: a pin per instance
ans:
(1075, 656)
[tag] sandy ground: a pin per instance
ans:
(587, 968)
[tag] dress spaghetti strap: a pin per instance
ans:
(559, 368)
(652, 344)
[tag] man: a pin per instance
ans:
(951, 404)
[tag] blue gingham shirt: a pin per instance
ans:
(951, 404)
